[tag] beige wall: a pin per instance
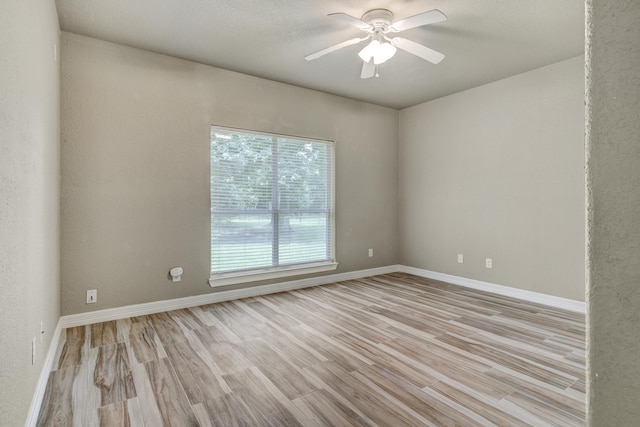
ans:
(613, 189)
(498, 172)
(29, 197)
(135, 168)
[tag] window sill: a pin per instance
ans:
(225, 279)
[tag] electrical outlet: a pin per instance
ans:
(460, 258)
(92, 296)
(488, 263)
(370, 253)
(176, 274)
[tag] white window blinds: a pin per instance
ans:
(271, 201)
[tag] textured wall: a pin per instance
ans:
(29, 197)
(498, 172)
(613, 189)
(135, 168)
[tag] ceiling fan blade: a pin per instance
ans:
(419, 50)
(348, 19)
(368, 70)
(425, 18)
(333, 48)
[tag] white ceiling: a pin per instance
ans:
(484, 40)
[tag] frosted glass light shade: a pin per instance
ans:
(384, 53)
(380, 52)
(369, 51)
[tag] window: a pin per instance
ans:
(271, 206)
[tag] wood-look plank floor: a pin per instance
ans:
(389, 350)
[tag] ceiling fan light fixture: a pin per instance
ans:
(380, 52)
(385, 52)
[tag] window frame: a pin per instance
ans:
(217, 279)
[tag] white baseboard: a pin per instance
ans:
(178, 303)
(41, 387)
(530, 296)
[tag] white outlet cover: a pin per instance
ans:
(460, 258)
(488, 263)
(92, 296)
(176, 274)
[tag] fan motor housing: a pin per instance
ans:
(379, 19)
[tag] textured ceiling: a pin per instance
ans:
(484, 40)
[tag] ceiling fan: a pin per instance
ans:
(377, 23)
